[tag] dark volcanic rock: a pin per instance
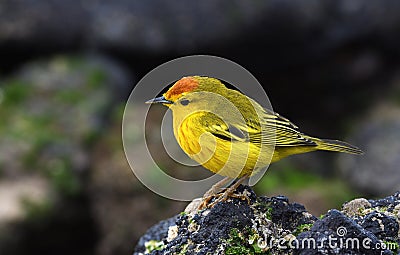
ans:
(381, 225)
(283, 213)
(335, 227)
(275, 226)
(157, 232)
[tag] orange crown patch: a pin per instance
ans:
(186, 84)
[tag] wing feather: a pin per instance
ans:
(276, 130)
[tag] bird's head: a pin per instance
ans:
(183, 91)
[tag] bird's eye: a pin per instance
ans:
(184, 102)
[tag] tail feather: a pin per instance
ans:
(335, 145)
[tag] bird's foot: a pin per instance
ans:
(213, 192)
(216, 193)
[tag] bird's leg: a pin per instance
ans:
(212, 192)
(229, 192)
(218, 187)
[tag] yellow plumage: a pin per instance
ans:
(231, 134)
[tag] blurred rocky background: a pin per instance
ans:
(67, 68)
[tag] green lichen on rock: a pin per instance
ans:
(153, 245)
(244, 242)
(275, 226)
(393, 246)
(236, 227)
(302, 228)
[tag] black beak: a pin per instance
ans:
(159, 100)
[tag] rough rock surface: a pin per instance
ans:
(275, 226)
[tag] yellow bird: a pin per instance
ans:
(231, 134)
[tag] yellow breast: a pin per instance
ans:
(226, 158)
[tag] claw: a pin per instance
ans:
(224, 196)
